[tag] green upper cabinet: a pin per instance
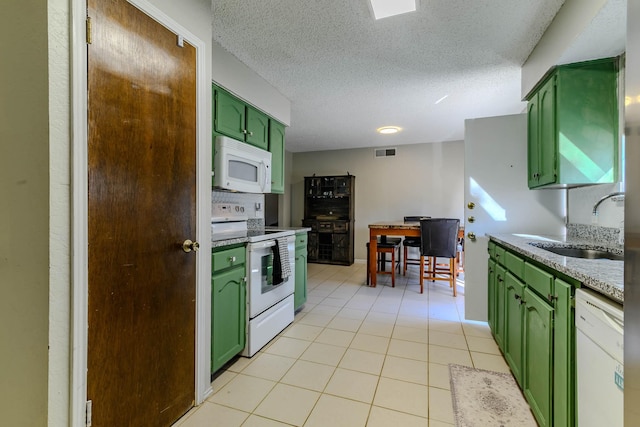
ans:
(276, 147)
(257, 128)
(229, 116)
(573, 126)
(236, 119)
(541, 138)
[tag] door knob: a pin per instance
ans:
(472, 236)
(189, 246)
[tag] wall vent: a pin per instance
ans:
(384, 152)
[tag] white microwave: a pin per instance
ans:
(240, 167)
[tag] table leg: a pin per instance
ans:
(373, 250)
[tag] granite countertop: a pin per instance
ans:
(245, 239)
(602, 275)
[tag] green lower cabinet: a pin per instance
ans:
(228, 305)
(538, 356)
(563, 356)
(514, 315)
(491, 284)
(300, 294)
(500, 307)
(532, 318)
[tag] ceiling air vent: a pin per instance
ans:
(384, 152)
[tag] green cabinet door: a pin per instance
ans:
(538, 356)
(276, 147)
(229, 115)
(500, 305)
(542, 136)
(257, 128)
(563, 356)
(300, 294)
(491, 284)
(228, 302)
(514, 315)
(547, 143)
(533, 141)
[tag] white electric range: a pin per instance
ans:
(270, 271)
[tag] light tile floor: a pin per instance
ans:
(355, 356)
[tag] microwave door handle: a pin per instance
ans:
(264, 174)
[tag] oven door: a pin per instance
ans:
(263, 291)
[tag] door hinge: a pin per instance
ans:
(88, 413)
(88, 30)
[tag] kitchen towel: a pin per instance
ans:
(282, 269)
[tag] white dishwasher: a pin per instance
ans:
(599, 353)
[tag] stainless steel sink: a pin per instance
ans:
(578, 252)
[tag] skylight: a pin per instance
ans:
(385, 8)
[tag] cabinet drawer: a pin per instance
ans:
(499, 254)
(340, 227)
(301, 240)
(227, 258)
(325, 227)
(539, 280)
(514, 264)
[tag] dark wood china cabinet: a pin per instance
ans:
(329, 212)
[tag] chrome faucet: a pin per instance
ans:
(608, 196)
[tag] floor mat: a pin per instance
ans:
(487, 398)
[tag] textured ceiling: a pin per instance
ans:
(347, 74)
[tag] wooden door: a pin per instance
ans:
(141, 198)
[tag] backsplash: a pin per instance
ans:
(608, 236)
(253, 205)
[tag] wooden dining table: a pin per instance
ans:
(390, 228)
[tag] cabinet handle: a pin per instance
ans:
(517, 297)
(491, 270)
(244, 131)
(232, 259)
(250, 133)
(551, 297)
(500, 279)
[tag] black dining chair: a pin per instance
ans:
(411, 242)
(439, 239)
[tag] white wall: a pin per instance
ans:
(423, 179)
(25, 211)
(582, 200)
(572, 19)
(246, 84)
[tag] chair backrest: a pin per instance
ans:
(415, 218)
(439, 237)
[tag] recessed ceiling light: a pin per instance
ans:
(385, 8)
(386, 130)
